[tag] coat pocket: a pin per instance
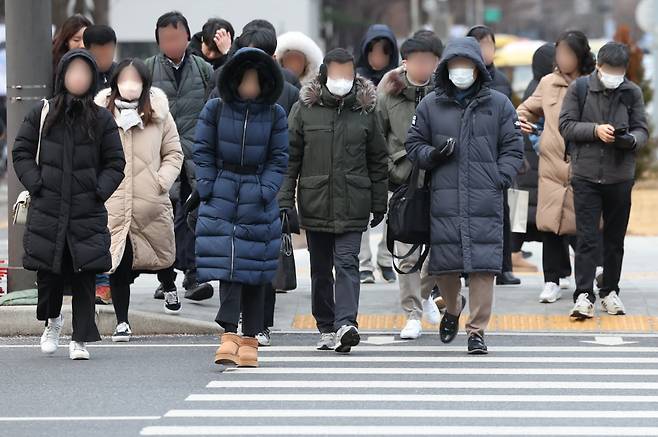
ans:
(314, 196)
(359, 195)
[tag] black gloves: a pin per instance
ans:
(377, 219)
(293, 219)
(624, 140)
(443, 151)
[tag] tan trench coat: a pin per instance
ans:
(140, 208)
(555, 207)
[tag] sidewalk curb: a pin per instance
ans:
(21, 321)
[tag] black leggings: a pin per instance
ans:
(235, 297)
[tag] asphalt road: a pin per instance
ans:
(529, 385)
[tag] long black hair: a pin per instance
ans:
(82, 109)
(578, 43)
(144, 103)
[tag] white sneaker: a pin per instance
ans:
(327, 341)
(550, 293)
(264, 338)
(583, 308)
(122, 333)
(78, 350)
(565, 283)
(613, 305)
(412, 330)
(50, 336)
(431, 312)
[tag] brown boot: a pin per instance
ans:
(227, 353)
(519, 264)
(248, 353)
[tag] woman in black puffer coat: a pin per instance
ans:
(81, 163)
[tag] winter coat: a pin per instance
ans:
(241, 156)
(542, 64)
(338, 156)
(466, 211)
(304, 44)
(76, 174)
(186, 100)
(288, 96)
(499, 81)
(140, 209)
(363, 68)
(555, 208)
(623, 107)
(396, 105)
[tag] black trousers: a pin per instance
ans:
(334, 306)
(50, 288)
(556, 262)
(613, 202)
(270, 302)
(185, 240)
(124, 276)
(235, 297)
(507, 236)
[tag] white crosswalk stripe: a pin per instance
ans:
(409, 391)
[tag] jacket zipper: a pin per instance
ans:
(237, 200)
(244, 134)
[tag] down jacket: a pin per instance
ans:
(466, 212)
(241, 156)
(140, 208)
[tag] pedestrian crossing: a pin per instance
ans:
(409, 390)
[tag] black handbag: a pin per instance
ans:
(285, 278)
(409, 218)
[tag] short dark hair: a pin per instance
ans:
(259, 23)
(422, 41)
(614, 54)
(481, 31)
(338, 55)
(98, 34)
(173, 18)
(211, 27)
(260, 38)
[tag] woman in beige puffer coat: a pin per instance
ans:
(140, 213)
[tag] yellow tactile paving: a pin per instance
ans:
(510, 323)
(643, 213)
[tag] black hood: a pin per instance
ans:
(64, 64)
(466, 47)
(377, 31)
(269, 73)
(543, 61)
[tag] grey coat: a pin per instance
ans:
(466, 190)
(591, 158)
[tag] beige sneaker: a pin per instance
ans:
(583, 308)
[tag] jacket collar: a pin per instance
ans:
(395, 83)
(363, 96)
(595, 84)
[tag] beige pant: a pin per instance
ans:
(480, 298)
(415, 286)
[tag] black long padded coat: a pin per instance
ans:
(69, 187)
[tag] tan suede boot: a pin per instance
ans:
(521, 265)
(227, 353)
(248, 352)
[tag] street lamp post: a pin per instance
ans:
(29, 77)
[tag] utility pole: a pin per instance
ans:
(29, 78)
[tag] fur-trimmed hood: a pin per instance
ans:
(303, 43)
(159, 101)
(363, 96)
(393, 82)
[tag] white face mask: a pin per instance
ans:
(461, 77)
(130, 90)
(339, 87)
(611, 81)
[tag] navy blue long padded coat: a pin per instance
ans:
(241, 156)
(467, 190)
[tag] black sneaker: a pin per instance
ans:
(507, 278)
(122, 333)
(476, 345)
(199, 292)
(367, 277)
(189, 280)
(449, 326)
(387, 273)
(347, 337)
(172, 304)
